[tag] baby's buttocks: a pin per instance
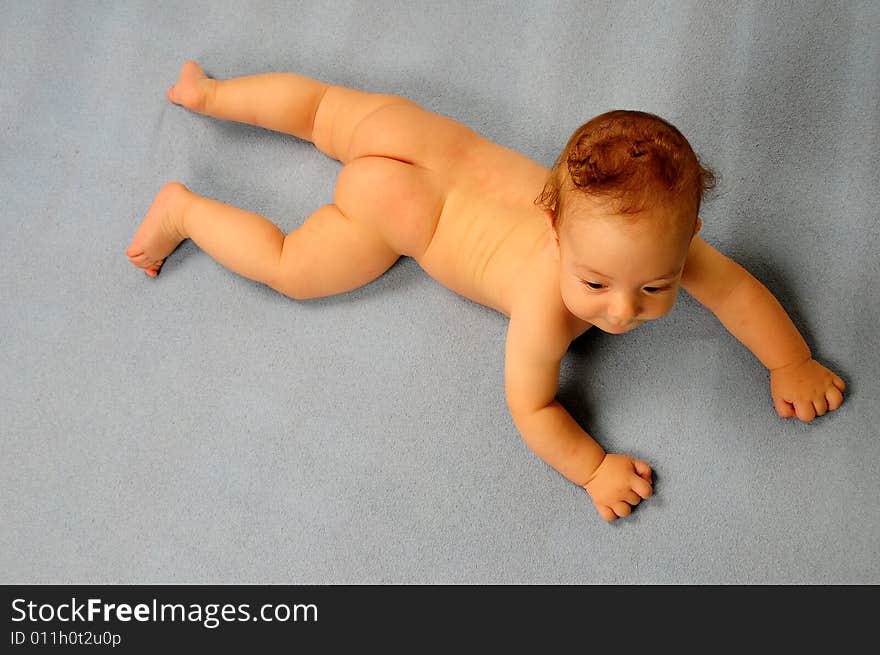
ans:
(401, 201)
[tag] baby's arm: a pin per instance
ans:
(800, 386)
(535, 347)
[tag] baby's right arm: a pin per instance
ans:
(535, 347)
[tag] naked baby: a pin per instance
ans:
(605, 238)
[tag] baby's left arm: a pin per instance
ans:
(800, 386)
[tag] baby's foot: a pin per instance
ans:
(161, 231)
(192, 89)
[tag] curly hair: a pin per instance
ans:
(633, 158)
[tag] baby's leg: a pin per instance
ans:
(324, 114)
(284, 102)
(326, 255)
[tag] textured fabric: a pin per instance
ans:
(201, 428)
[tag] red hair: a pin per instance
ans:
(633, 158)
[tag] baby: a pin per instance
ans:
(604, 239)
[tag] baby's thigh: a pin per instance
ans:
(401, 201)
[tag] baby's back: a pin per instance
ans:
(488, 228)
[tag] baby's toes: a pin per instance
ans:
(189, 91)
(189, 96)
(183, 94)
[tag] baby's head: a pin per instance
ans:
(622, 201)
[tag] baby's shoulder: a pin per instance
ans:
(709, 275)
(537, 301)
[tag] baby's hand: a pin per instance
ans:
(619, 483)
(805, 390)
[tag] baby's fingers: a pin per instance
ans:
(839, 383)
(642, 469)
(783, 408)
(834, 398)
(805, 410)
(641, 487)
(622, 509)
(632, 498)
(606, 513)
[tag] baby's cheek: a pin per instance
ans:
(577, 303)
(665, 306)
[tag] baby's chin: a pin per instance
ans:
(610, 328)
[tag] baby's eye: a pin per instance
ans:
(592, 285)
(655, 289)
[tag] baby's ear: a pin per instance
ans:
(550, 220)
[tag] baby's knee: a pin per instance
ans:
(292, 284)
(293, 290)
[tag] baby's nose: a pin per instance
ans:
(623, 309)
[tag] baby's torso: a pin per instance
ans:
(489, 242)
(490, 230)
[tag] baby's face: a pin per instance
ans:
(617, 275)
